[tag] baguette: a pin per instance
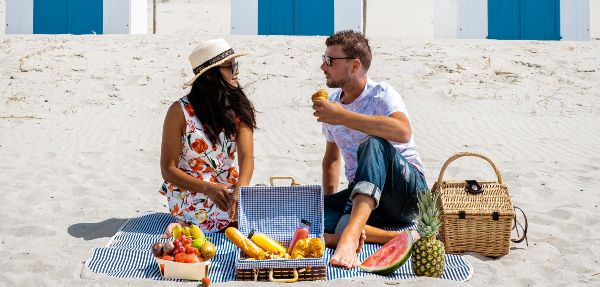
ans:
(247, 246)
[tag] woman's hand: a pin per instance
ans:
(219, 194)
(233, 205)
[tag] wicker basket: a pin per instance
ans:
(276, 211)
(476, 216)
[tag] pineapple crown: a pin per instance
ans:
(428, 223)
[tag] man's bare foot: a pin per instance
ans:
(346, 250)
(331, 240)
(345, 256)
(169, 231)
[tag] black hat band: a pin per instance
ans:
(213, 61)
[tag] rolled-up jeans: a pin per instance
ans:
(386, 176)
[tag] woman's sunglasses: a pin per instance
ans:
(233, 65)
(329, 60)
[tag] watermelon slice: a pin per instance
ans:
(391, 256)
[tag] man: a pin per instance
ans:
(367, 124)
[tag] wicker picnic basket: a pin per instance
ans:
(476, 216)
(276, 212)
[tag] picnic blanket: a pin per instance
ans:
(128, 255)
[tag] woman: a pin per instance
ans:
(202, 134)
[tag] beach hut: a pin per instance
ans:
(295, 17)
(512, 19)
(76, 16)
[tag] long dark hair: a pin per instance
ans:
(217, 104)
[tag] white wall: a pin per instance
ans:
(115, 18)
(575, 20)
(595, 19)
(139, 17)
(2, 17)
(244, 17)
(472, 19)
(19, 16)
(347, 15)
(400, 18)
(445, 15)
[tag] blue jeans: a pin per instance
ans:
(385, 175)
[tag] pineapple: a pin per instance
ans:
(428, 255)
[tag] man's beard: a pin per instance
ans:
(337, 84)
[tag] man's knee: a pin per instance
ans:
(368, 193)
(373, 140)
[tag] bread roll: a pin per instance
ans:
(320, 95)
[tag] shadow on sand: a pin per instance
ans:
(91, 231)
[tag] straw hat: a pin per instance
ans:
(209, 54)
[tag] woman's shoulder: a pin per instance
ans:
(179, 106)
(175, 111)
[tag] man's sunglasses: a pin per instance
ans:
(329, 60)
(233, 65)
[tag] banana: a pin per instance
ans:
(177, 231)
(196, 232)
(186, 231)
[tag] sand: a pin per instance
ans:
(81, 121)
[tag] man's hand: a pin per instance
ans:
(329, 112)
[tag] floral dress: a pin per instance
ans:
(201, 159)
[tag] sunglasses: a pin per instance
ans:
(234, 67)
(329, 60)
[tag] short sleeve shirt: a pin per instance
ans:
(377, 99)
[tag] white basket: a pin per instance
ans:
(178, 270)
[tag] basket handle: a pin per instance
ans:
(462, 154)
(288, 280)
(273, 178)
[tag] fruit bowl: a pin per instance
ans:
(179, 270)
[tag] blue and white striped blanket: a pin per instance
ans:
(128, 255)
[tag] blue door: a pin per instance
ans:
(524, 19)
(67, 16)
(85, 17)
(50, 16)
(276, 17)
(540, 19)
(295, 17)
(504, 20)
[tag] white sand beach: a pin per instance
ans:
(81, 121)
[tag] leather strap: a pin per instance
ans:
(524, 229)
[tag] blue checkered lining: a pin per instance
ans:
(128, 255)
(276, 211)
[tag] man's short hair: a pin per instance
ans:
(354, 44)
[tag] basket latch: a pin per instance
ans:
(473, 187)
(462, 214)
(495, 215)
